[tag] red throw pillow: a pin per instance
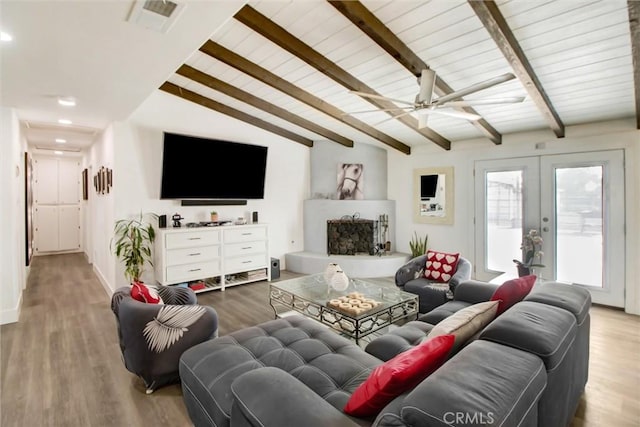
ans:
(513, 291)
(143, 293)
(398, 375)
(440, 266)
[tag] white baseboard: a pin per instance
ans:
(103, 281)
(11, 315)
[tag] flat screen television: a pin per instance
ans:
(202, 168)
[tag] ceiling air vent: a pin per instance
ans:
(157, 15)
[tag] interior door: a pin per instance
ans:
(575, 201)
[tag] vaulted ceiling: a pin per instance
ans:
(290, 67)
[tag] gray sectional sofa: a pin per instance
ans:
(528, 367)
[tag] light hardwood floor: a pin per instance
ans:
(61, 363)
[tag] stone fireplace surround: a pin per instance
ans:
(325, 156)
(314, 258)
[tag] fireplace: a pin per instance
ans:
(350, 236)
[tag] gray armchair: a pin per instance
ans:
(431, 294)
(154, 336)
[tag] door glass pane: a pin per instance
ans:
(579, 237)
(504, 219)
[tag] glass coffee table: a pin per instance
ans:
(314, 298)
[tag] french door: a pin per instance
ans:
(576, 204)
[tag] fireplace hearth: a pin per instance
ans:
(350, 236)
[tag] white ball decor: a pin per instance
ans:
(340, 281)
(330, 271)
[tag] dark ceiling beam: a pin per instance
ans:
(361, 17)
(236, 61)
(634, 25)
(492, 19)
(278, 35)
(229, 111)
(217, 84)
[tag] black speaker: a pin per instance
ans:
(275, 266)
(162, 221)
(254, 217)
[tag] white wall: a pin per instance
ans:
(459, 237)
(137, 165)
(13, 272)
(100, 212)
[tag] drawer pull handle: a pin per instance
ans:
(247, 234)
(196, 254)
(247, 262)
(247, 247)
(195, 238)
(195, 269)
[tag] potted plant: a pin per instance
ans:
(214, 216)
(418, 246)
(132, 243)
(531, 249)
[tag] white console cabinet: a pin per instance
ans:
(219, 256)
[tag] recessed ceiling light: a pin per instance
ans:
(58, 152)
(65, 121)
(61, 141)
(5, 37)
(67, 101)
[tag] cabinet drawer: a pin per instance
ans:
(245, 235)
(248, 248)
(192, 255)
(200, 270)
(197, 238)
(243, 263)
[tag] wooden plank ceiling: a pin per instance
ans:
(289, 67)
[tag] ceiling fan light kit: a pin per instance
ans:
(425, 105)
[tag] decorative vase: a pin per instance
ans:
(340, 281)
(523, 270)
(330, 271)
(214, 217)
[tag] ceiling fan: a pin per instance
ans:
(425, 105)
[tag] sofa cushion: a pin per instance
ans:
(440, 266)
(330, 365)
(486, 383)
(398, 375)
(465, 323)
(398, 340)
(143, 293)
(513, 291)
(444, 311)
(540, 329)
(572, 298)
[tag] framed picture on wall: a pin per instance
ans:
(85, 184)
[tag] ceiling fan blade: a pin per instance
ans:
(384, 98)
(423, 115)
(427, 84)
(488, 101)
(475, 88)
(393, 117)
(456, 114)
(378, 110)
(422, 119)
